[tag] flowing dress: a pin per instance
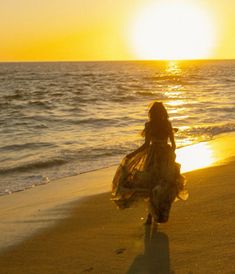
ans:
(151, 174)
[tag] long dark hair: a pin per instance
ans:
(158, 120)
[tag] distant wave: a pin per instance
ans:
(40, 104)
(223, 109)
(33, 165)
(66, 156)
(96, 122)
(126, 98)
(13, 96)
(5, 104)
(210, 130)
(176, 79)
(26, 146)
(151, 94)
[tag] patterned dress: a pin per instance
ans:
(151, 174)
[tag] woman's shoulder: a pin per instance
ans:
(169, 123)
(169, 126)
(147, 128)
(147, 125)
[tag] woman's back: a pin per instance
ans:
(158, 131)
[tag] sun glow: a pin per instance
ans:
(171, 31)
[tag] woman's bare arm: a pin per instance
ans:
(142, 147)
(172, 138)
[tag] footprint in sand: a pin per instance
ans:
(120, 250)
(88, 270)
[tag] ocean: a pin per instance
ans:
(65, 118)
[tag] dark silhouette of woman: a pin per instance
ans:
(151, 172)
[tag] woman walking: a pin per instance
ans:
(151, 172)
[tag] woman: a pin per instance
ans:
(151, 171)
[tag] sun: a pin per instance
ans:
(172, 31)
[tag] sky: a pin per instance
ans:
(85, 30)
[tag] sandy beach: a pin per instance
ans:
(70, 226)
(104, 104)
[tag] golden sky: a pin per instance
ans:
(59, 30)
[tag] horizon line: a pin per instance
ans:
(127, 60)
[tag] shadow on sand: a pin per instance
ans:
(156, 258)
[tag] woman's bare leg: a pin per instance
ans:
(149, 219)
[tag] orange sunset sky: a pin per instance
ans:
(74, 30)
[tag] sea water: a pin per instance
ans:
(62, 119)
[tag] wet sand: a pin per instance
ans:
(89, 235)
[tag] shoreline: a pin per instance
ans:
(180, 150)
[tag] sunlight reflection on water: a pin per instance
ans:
(173, 68)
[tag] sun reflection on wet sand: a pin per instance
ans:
(206, 154)
(195, 156)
